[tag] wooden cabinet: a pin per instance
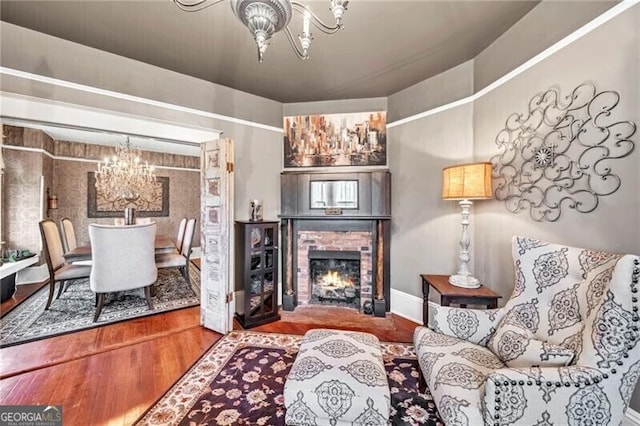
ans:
(257, 271)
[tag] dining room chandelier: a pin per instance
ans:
(264, 18)
(124, 176)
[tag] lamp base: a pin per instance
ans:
(464, 281)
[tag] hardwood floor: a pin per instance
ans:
(112, 374)
(22, 292)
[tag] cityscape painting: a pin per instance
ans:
(356, 139)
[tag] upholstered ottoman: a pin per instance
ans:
(338, 378)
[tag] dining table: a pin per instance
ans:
(163, 244)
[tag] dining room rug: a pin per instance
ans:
(240, 380)
(75, 308)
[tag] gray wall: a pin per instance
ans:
(38, 53)
(335, 107)
(426, 228)
(258, 151)
(258, 160)
(608, 57)
(546, 24)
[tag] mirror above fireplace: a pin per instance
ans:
(334, 194)
(362, 194)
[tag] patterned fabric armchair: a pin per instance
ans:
(563, 350)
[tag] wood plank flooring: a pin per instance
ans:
(112, 374)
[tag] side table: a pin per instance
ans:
(451, 294)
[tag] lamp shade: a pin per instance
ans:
(471, 181)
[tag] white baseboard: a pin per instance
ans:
(631, 418)
(406, 305)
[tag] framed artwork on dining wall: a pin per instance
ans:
(154, 203)
(353, 139)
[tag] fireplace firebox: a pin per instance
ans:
(335, 278)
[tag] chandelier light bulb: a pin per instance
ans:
(306, 24)
(338, 7)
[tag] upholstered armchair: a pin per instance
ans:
(563, 350)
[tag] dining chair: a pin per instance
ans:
(180, 260)
(123, 259)
(68, 234)
(59, 271)
(69, 242)
(180, 237)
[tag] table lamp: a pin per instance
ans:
(466, 182)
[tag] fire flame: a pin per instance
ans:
(333, 279)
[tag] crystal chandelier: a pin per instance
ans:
(264, 18)
(124, 176)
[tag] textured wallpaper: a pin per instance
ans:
(24, 199)
(70, 184)
(21, 204)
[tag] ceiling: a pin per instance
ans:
(385, 46)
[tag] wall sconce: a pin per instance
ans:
(52, 202)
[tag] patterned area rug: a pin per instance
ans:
(240, 380)
(75, 308)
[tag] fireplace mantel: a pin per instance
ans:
(373, 195)
(370, 216)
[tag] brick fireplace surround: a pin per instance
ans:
(364, 226)
(368, 236)
(339, 241)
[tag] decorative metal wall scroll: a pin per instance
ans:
(560, 153)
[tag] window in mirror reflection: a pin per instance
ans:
(329, 194)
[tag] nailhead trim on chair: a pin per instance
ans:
(635, 276)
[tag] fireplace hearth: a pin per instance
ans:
(335, 278)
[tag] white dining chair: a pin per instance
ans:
(180, 237)
(123, 259)
(180, 260)
(68, 234)
(69, 242)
